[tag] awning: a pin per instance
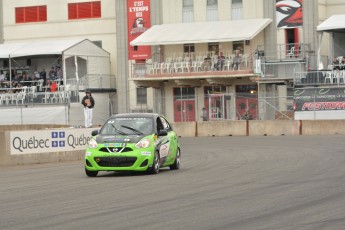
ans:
(202, 32)
(7, 49)
(335, 22)
(51, 47)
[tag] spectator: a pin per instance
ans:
(206, 65)
(59, 75)
(204, 114)
(237, 60)
(88, 102)
(2, 76)
(53, 87)
(43, 76)
(220, 61)
(52, 73)
(48, 86)
(335, 64)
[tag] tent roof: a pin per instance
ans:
(6, 49)
(335, 22)
(34, 48)
(202, 32)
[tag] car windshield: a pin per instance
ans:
(128, 126)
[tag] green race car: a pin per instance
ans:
(133, 142)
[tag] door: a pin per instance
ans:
(184, 104)
(292, 41)
(216, 106)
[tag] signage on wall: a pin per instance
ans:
(47, 141)
(289, 13)
(138, 21)
(319, 99)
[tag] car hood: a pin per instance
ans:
(118, 139)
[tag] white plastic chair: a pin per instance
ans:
(46, 97)
(20, 98)
(227, 65)
(329, 74)
(40, 84)
(292, 52)
(32, 91)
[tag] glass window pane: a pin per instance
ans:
(188, 3)
(212, 2)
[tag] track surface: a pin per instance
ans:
(225, 183)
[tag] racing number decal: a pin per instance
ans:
(164, 149)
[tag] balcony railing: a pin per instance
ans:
(321, 77)
(188, 66)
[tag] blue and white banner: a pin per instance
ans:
(48, 141)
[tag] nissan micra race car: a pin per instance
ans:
(133, 142)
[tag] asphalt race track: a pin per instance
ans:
(261, 183)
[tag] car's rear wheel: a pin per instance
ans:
(154, 169)
(177, 162)
(91, 173)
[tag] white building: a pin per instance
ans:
(173, 81)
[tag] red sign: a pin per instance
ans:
(138, 18)
(289, 14)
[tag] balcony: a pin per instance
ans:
(188, 67)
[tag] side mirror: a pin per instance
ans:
(162, 132)
(95, 132)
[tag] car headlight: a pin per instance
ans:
(93, 144)
(144, 143)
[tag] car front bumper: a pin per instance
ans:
(137, 160)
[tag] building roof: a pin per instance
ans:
(335, 22)
(202, 32)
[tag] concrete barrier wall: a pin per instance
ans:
(273, 127)
(323, 127)
(221, 128)
(184, 129)
(74, 140)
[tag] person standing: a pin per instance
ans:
(43, 76)
(88, 102)
(204, 114)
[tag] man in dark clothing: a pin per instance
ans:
(88, 102)
(43, 76)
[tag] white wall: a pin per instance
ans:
(59, 27)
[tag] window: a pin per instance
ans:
(212, 10)
(84, 10)
(184, 93)
(213, 48)
(187, 11)
(141, 96)
(31, 14)
(188, 48)
(214, 89)
(238, 46)
(236, 10)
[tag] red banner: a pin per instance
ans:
(138, 18)
(289, 13)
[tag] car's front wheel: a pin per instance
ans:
(154, 169)
(177, 162)
(91, 173)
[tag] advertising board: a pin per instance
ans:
(47, 141)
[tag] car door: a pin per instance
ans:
(169, 150)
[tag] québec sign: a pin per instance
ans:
(47, 141)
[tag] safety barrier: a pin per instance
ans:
(32, 144)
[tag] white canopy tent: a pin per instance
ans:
(202, 32)
(97, 60)
(335, 25)
(335, 22)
